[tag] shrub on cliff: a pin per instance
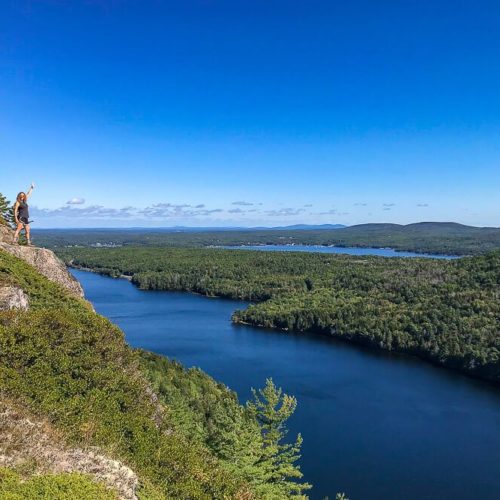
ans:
(55, 486)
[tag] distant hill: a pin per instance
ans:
(308, 227)
(430, 237)
(418, 227)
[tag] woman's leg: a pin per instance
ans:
(16, 234)
(27, 229)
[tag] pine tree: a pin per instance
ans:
(271, 409)
(6, 211)
(235, 437)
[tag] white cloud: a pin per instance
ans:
(76, 201)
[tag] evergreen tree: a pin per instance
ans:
(235, 438)
(6, 211)
(277, 463)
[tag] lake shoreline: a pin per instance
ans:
(367, 251)
(359, 342)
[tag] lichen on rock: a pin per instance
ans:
(26, 439)
(12, 297)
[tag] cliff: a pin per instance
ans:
(79, 415)
(43, 260)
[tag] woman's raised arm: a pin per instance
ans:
(28, 194)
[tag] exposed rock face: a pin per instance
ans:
(44, 261)
(12, 297)
(6, 234)
(25, 439)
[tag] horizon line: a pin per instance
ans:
(264, 227)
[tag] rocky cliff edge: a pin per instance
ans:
(43, 260)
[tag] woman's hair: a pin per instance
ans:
(22, 193)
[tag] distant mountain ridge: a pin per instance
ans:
(425, 237)
(367, 226)
(419, 226)
(199, 229)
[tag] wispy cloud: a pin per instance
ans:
(90, 212)
(243, 203)
(164, 211)
(76, 201)
(284, 212)
(309, 205)
(155, 211)
(422, 204)
(388, 204)
(172, 210)
(359, 204)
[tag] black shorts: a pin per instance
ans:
(24, 220)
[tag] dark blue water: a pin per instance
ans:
(376, 426)
(381, 252)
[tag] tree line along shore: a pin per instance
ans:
(445, 238)
(447, 312)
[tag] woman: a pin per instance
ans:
(22, 215)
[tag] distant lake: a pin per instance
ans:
(375, 425)
(381, 252)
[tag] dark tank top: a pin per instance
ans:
(22, 211)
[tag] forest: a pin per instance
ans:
(425, 237)
(447, 312)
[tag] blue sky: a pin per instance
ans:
(235, 112)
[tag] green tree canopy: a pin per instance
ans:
(6, 211)
(280, 473)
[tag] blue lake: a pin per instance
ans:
(381, 252)
(375, 425)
